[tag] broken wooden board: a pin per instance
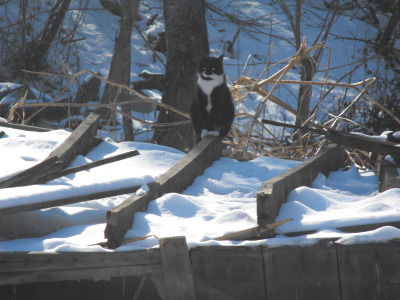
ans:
(228, 273)
(87, 166)
(301, 273)
(273, 193)
(357, 141)
(28, 174)
(80, 142)
(351, 140)
(19, 268)
(251, 233)
(175, 180)
(66, 201)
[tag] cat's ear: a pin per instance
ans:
(221, 58)
(202, 56)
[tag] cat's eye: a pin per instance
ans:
(213, 69)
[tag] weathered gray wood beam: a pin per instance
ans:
(80, 142)
(19, 268)
(388, 177)
(66, 201)
(228, 273)
(356, 141)
(177, 268)
(175, 180)
(24, 127)
(273, 193)
(348, 229)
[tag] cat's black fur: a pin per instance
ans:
(213, 111)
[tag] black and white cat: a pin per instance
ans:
(213, 111)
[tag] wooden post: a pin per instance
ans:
(177, 268)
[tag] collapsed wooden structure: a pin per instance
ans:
(322, 271)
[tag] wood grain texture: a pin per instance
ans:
(17, 267)
(175, 180)
(228, 273)
(388, 177)
(66, 201)
(370, 271)
(363, 143)
(273, 193)
(301, 273)
(177, 268)
(80, 142)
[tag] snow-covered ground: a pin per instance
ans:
(223, 199)
(219, 202)
(271, 40)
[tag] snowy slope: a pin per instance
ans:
(219, 202)
(223, 199)
(269, 42)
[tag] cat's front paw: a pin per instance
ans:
(204, 133)
(214, 133)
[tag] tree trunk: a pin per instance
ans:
(305, 91)
(186, 39)
(120, 70)
(50, 31)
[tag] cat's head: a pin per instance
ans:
(211, 67)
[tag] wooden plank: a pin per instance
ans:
(348, 229)
(228, 273)
(370, 271)
(87, 166)
(356, 141)
(175, 180)
(17, 268)
(33, 171)
(177, 268)
(251, 232)
(388, 177)
(38, 261)
(80, 142)
(24, 127)
(273, 193)
(66, 201)
(301, 273)
(78, 274)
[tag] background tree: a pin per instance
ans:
(186, 40)
(120, 69)
(309, 64)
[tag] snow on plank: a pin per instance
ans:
(80, 142)
(176, 179)
(274, 192)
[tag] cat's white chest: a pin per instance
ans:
(207, 86)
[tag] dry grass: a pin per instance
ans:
(248, 140)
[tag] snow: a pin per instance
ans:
(343, 199)
(222, 200)
(219, 202)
